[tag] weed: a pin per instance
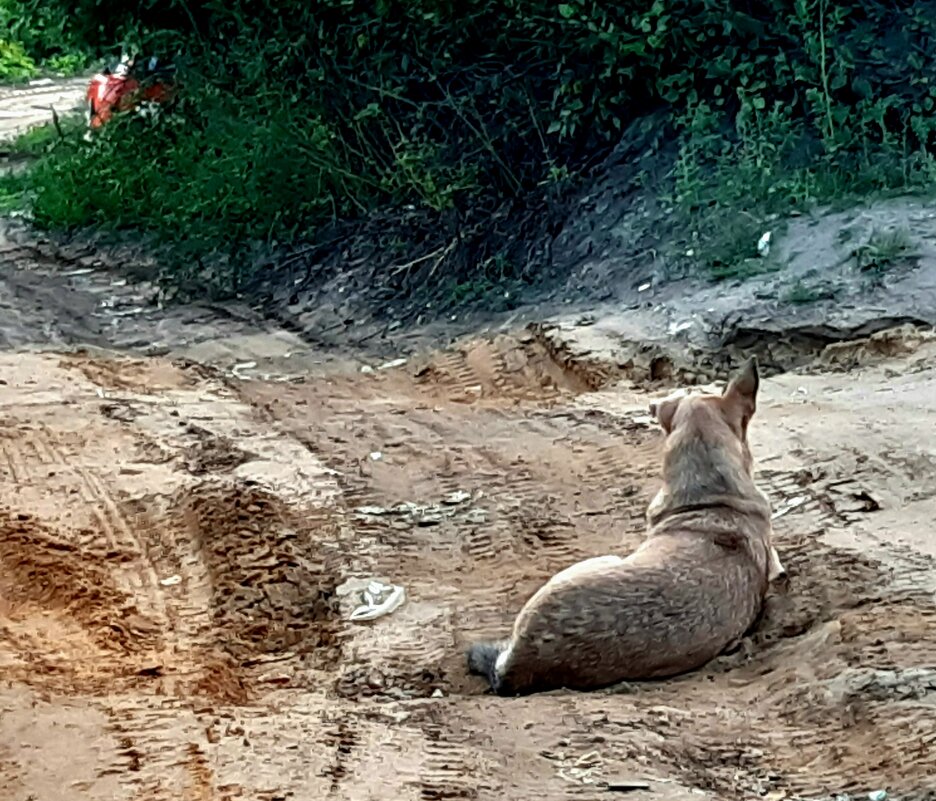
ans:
(41, 139)
(885, 250)
(801, 293)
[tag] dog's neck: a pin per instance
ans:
(699, 477)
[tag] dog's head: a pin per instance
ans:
(715, 418)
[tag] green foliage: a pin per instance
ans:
(38, 36)
(296, 114)
(15, 63)
(12, 193)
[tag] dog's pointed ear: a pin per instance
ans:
(739, 399)
(664, 411)
(746, 382)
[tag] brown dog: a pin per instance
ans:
(695, 585)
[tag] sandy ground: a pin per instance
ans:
(172, 542)
(176, 527)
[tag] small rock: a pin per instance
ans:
(878, 795)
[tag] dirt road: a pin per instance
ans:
(23, 107)
(173, 542)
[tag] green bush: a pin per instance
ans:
(296, 113)
(15, 63)
(42, 36)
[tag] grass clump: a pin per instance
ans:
(885, 250)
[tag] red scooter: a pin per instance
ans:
(124, 86)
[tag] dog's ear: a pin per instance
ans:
(740, 396)
(664, 411)
(746, 382)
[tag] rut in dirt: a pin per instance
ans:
(174, 546)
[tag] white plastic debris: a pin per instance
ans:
(677, 328)
(237, 368)
(366, 368)
(375, 456)
(457, 497)
(644, 287)
(788, 506)
(378, 598)
(763, 244)
(171, 581)
(878, 795)
(392, 363)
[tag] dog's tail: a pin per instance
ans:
(482, 660)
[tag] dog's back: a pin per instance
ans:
(670, 607)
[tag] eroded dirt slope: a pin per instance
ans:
(171, 545)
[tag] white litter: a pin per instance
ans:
(379, 598)
(376, 456)
(763, 244)
(676, 328)
(171, 581)
(454, 498)
(391, 364)
(789, 506)
(236, 369)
